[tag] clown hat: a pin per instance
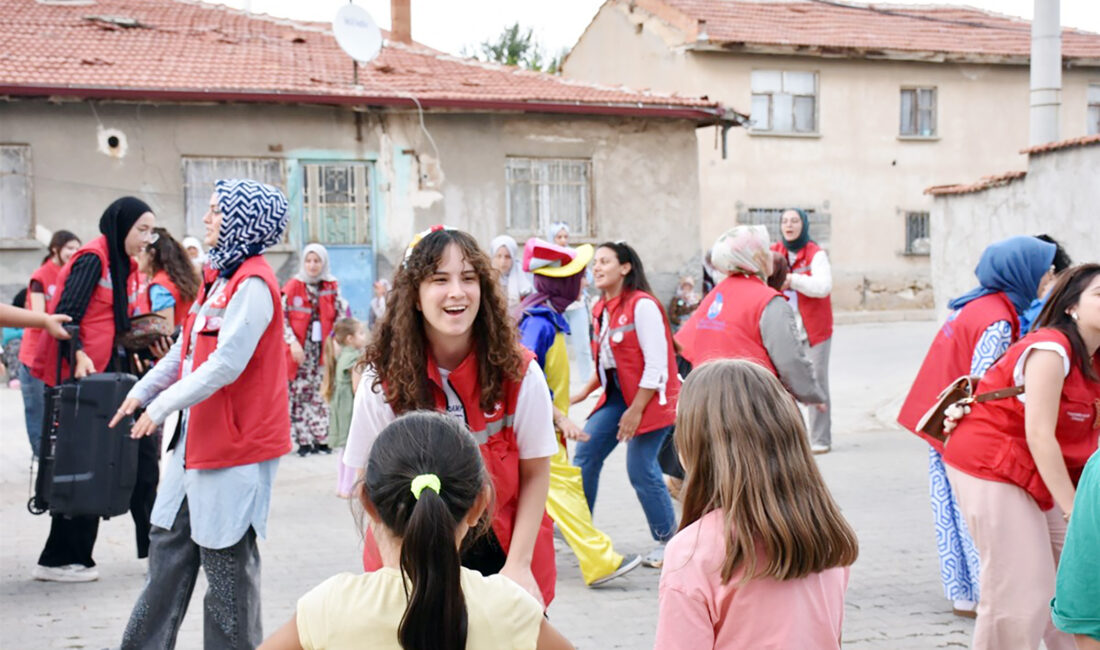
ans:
(543, 258)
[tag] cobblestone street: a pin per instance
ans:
(876, 472)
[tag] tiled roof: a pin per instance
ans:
(987, 182)
(184, 50)
(836, 28)
(1082, 141)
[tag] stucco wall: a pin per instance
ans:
(857, 169)
(644, 179)
(1059, 196)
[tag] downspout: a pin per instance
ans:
(1046, 72)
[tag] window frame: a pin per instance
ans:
(1092, 124)
(192, 158)
(915, 134)
(909, 217)
(770, 130)
(364, 192)
(541, 187)
(27, 241)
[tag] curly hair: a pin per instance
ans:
(169, 256)
(398, 351)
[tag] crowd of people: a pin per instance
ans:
(449, 412)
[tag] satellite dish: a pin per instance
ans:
(356, 33)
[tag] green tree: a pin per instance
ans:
(517, 46)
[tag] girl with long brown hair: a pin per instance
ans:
(446, 342)
(171, 282)
(762, 555)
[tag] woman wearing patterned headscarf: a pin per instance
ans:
(744, 318)
(227, 374)
(311, 305)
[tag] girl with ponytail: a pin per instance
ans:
(425, 487)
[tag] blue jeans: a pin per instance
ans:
(641, 463)
(34, 405)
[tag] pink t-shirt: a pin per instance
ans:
(698, 611)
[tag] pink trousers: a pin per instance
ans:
(1019, 546)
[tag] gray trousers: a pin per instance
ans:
(821, 424)
(231, 607)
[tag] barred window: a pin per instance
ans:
(336, 203)
(917, 240)
(784, 101)
(1094, 109)
(820, 228)
(541, 191)
(199, 175)
(16, 216)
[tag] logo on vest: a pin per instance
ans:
(715, 307)
(297, 301)
(1078, 417)
(497, 408)
(622, 319)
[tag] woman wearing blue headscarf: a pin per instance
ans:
(227, 374)
(983, 323)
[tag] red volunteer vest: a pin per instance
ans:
(97, 327)
(46, 275)
(726, 325)
(629, 361)
(816, 313)
(991, 442)
(497, 442)
(247, 421)
(949, 355)
(299, 313)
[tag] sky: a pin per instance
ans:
(451, 25)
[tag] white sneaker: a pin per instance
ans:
(820, 449)
(655, 558)
(67, 573)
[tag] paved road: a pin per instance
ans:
(876, 473)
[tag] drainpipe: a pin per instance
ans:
(401, 21)
(1046, 72)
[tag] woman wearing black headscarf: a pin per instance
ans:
(92, 291)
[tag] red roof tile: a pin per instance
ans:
(831, 27)
(1082, 141)
(996, 180)
(183, 50)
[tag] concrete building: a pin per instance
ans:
(1058, 194)
(158, 98)
(855, 110)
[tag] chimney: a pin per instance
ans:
(1046, 72)
(400, 21)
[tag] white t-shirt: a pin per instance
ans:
(533, 424)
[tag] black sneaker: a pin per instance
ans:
(319, 448)
(304, 450)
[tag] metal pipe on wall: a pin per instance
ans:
(1046, 72)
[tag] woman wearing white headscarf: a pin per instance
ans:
(194, 251)
(513, 281)
(311, 305)
(744, 318)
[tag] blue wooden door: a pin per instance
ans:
(336, 198)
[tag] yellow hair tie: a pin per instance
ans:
(425, 480)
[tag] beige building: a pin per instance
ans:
(158, 99)
(854, 111)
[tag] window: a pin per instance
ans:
(16, 220)
(544, 190)
(199, 175)
(917, 241)
(1094, 109)
(784, 102)
(336, 203)
(820, 230)
(918, 112)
